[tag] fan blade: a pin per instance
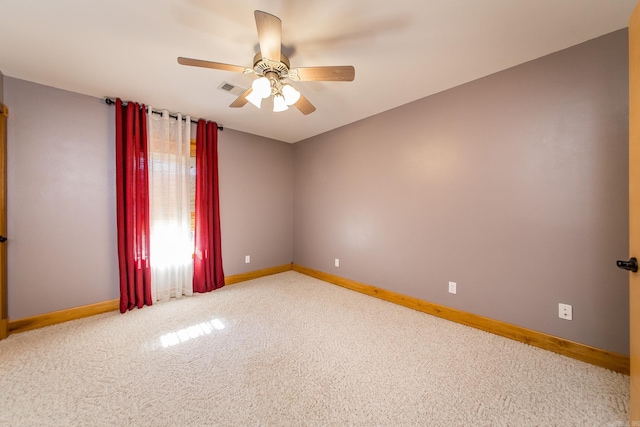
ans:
(241, 101)
(304, 105)
(214, 65)
(345, 73)
(269, 35)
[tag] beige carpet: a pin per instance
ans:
(291, 350)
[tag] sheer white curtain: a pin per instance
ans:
(169, 201)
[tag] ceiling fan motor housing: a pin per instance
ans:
(263, 65)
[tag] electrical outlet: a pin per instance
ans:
(452, 287)
(337, 262)
(565, 311)
(247, 259)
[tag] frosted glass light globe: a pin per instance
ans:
(261, 87)
(279, 104)
(291, 96)
(254, 98)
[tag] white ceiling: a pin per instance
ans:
(402, 50)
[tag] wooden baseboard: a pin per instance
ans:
(4, 328)
(595, 356)
(48, 319)
(243, 277)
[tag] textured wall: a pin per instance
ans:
(61, 200)
(514, 186)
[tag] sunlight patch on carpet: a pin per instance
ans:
(195, 331)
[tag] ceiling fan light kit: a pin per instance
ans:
(291, 96)
(279, 104)
(272, 72)
(254, 98)
(262, 87)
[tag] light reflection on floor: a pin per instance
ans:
(195, 331)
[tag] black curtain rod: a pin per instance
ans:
(110, 101)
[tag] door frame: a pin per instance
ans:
(4, 316)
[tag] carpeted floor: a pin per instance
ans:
(289, 350)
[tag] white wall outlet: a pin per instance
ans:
(565, 311)
(452, 287)
(337, 262)
(247, 259)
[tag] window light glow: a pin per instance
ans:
(171, 245)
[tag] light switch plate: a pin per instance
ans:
(452, 287)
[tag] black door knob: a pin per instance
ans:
(3, 239)
(631, 265)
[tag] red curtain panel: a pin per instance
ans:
(132, 193)
(207, 268)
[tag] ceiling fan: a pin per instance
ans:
(273, 67)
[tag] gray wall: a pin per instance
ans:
(514, 186)
(256, 201)
(61, 200)
(1, 87)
